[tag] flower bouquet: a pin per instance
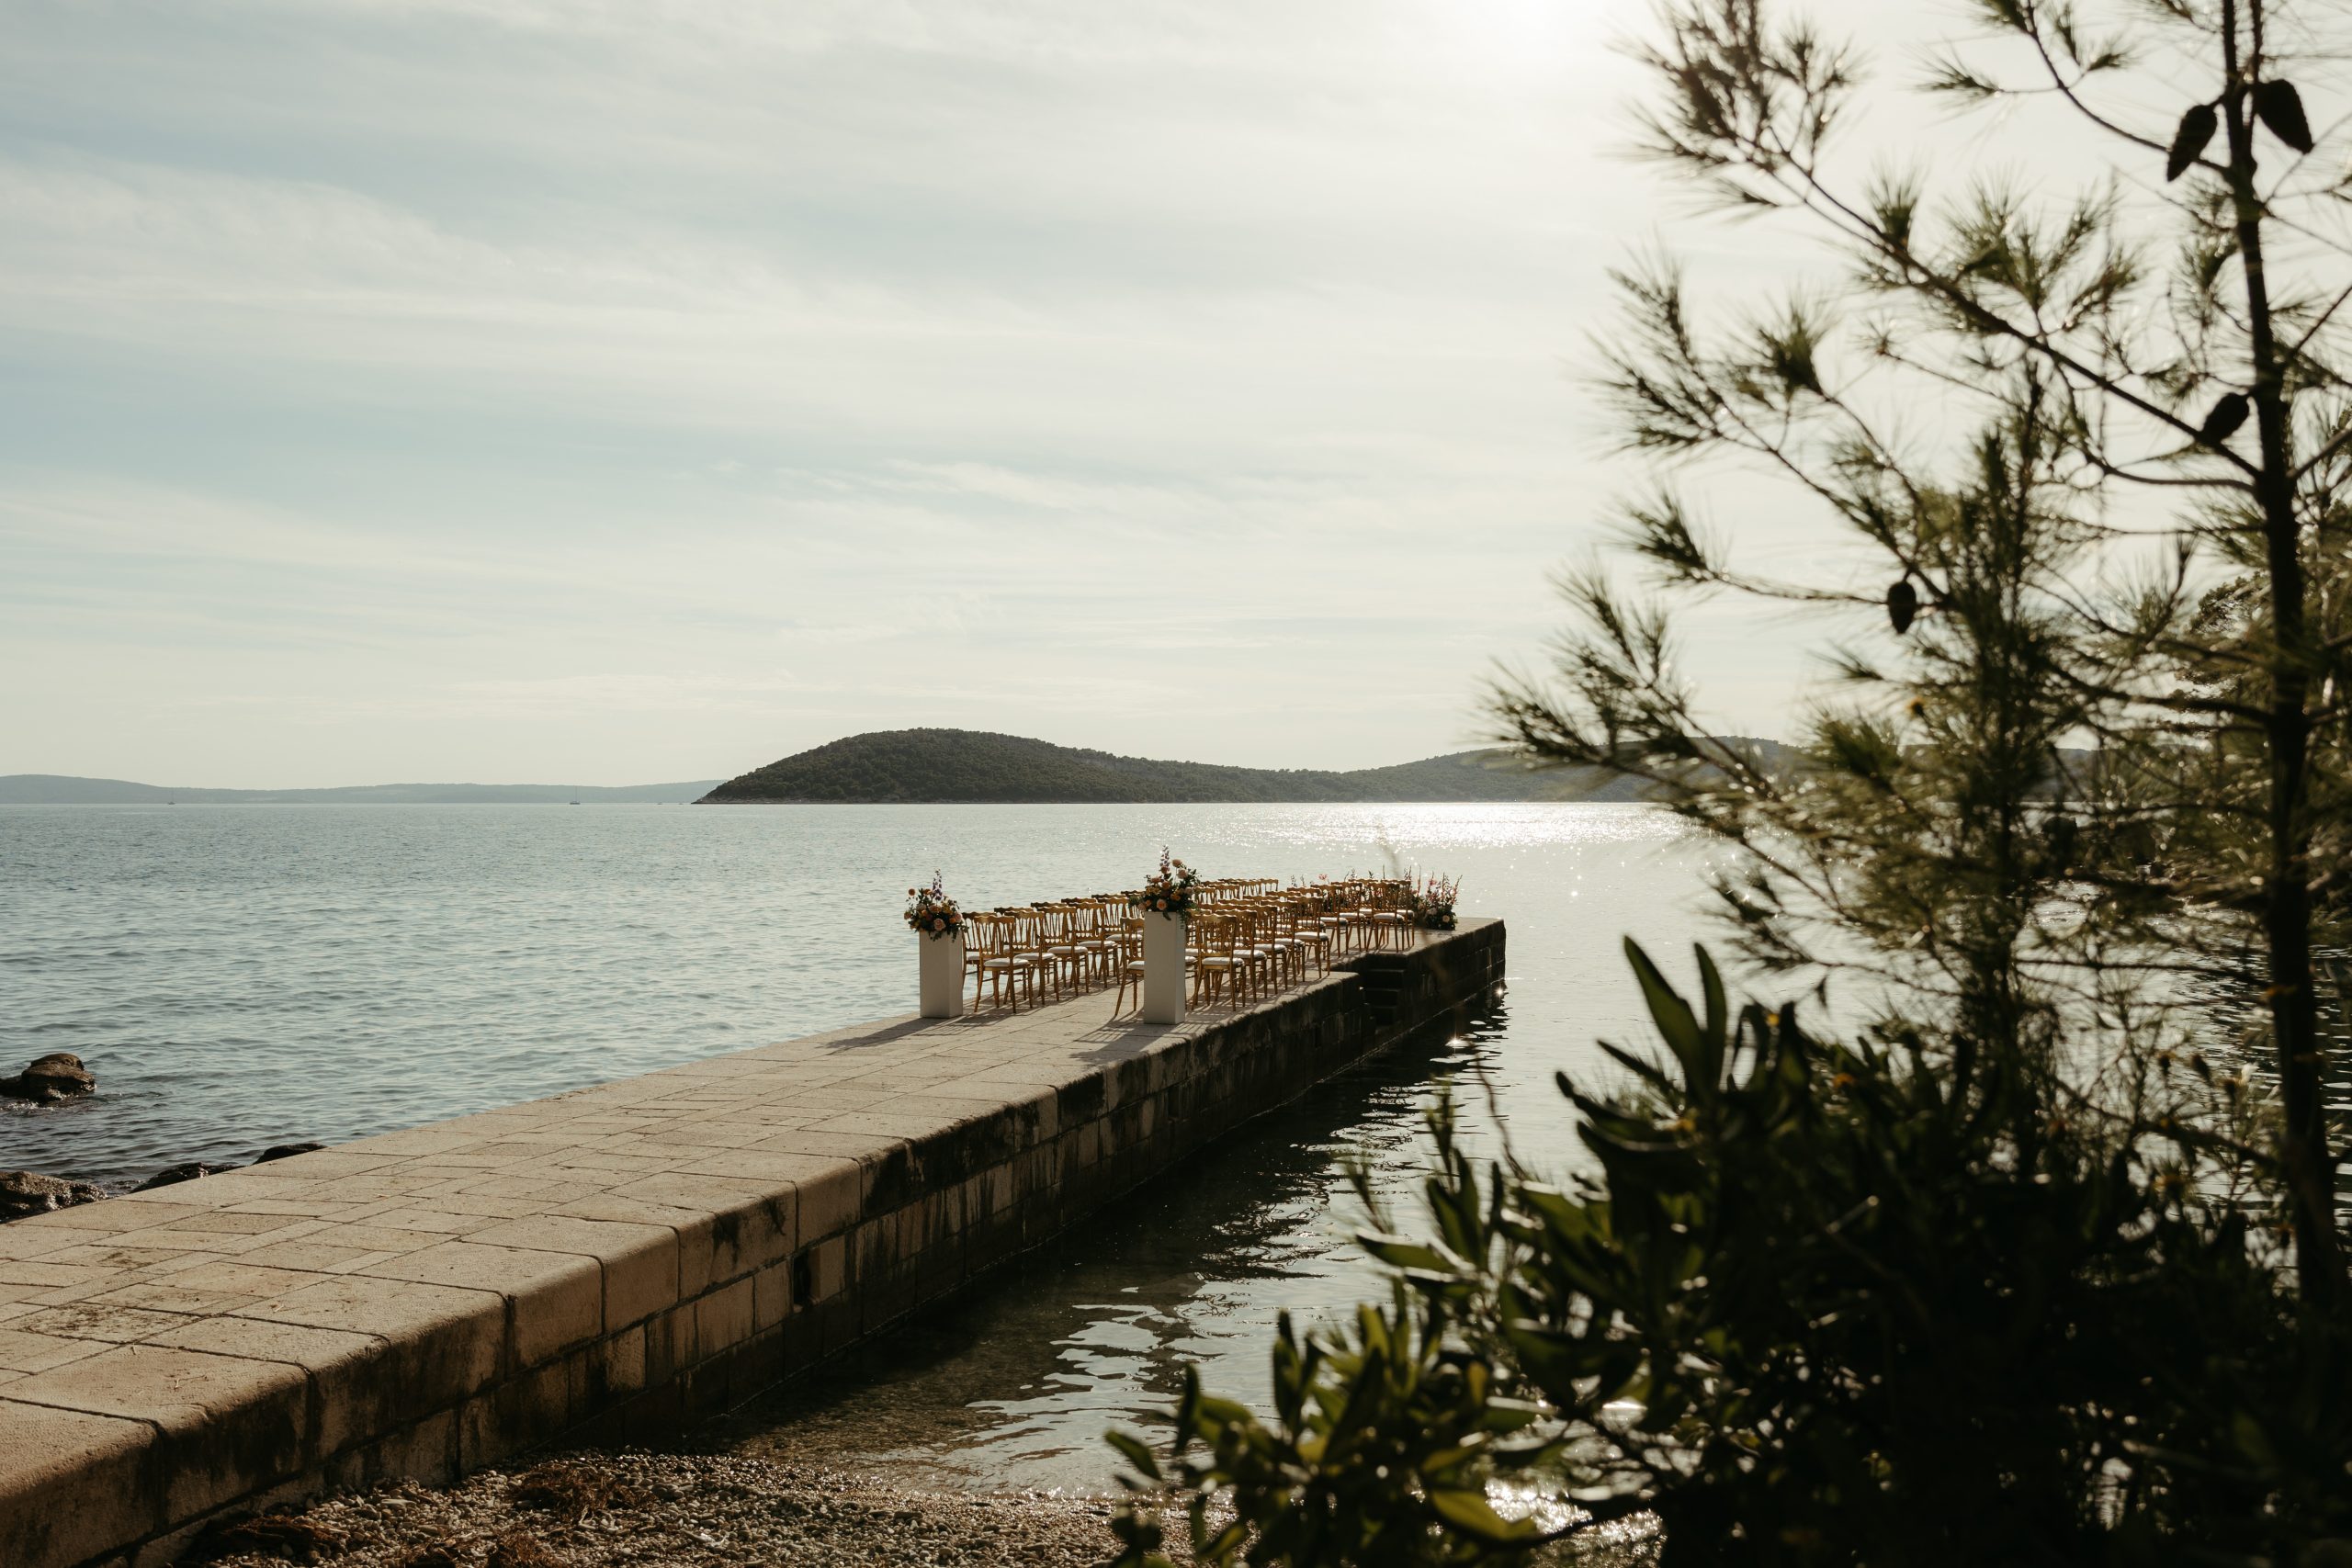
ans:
(1433, 903)
(1172, 890)
(931, 913)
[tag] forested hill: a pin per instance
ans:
(967, 766)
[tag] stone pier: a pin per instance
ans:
(610, 1263)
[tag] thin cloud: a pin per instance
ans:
(616, 389)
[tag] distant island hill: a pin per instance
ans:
(927, 767)
(56, 789)
(971, 767)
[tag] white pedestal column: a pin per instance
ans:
(942, 975)
(1163, 968)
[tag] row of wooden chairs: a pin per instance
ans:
(1249, 937)
(1251, 950)
(1264, 939)
(1070, 945)
(1367, 913)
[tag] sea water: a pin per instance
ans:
(237, 977)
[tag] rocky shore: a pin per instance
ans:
(24, 1192)
(645, 1510)
(54, 1079)
(639, 1510)
(49, 1080)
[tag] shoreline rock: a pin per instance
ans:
(196, 1170)
(49, 1080)
(27, 1192)
(24, 1193)
(173, 1174)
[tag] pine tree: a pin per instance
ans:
(2045, 1261)
(2110, 400)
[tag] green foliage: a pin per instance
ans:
(962, 765)
(2046, 1262)
(2125, 528)
(1384, 1444)
(1820, 1304)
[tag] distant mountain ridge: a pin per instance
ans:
(59, 789)
(973, 767)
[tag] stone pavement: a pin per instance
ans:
(607, 1262)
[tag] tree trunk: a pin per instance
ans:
(2286, 904)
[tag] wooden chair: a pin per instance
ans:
(1030, 943)
(1090, 932)
(1313, 934)
(1392, 926)
(1008, 963)
(1063, 960)
(1220, 967)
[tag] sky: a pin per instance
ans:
(605, 391)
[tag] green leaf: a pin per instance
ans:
(1647, 1072)
(1398, 1253)
(1509, 1415)
(1711, 984)
(1470, 1511)
(1135, 1451)
(1213, 1413)
(1673, 1015)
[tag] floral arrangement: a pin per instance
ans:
(1172, 890)
(931, 913)
(1433, 903)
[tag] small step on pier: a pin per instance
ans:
(610, 1263)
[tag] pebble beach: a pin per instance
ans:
(638, 1510)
